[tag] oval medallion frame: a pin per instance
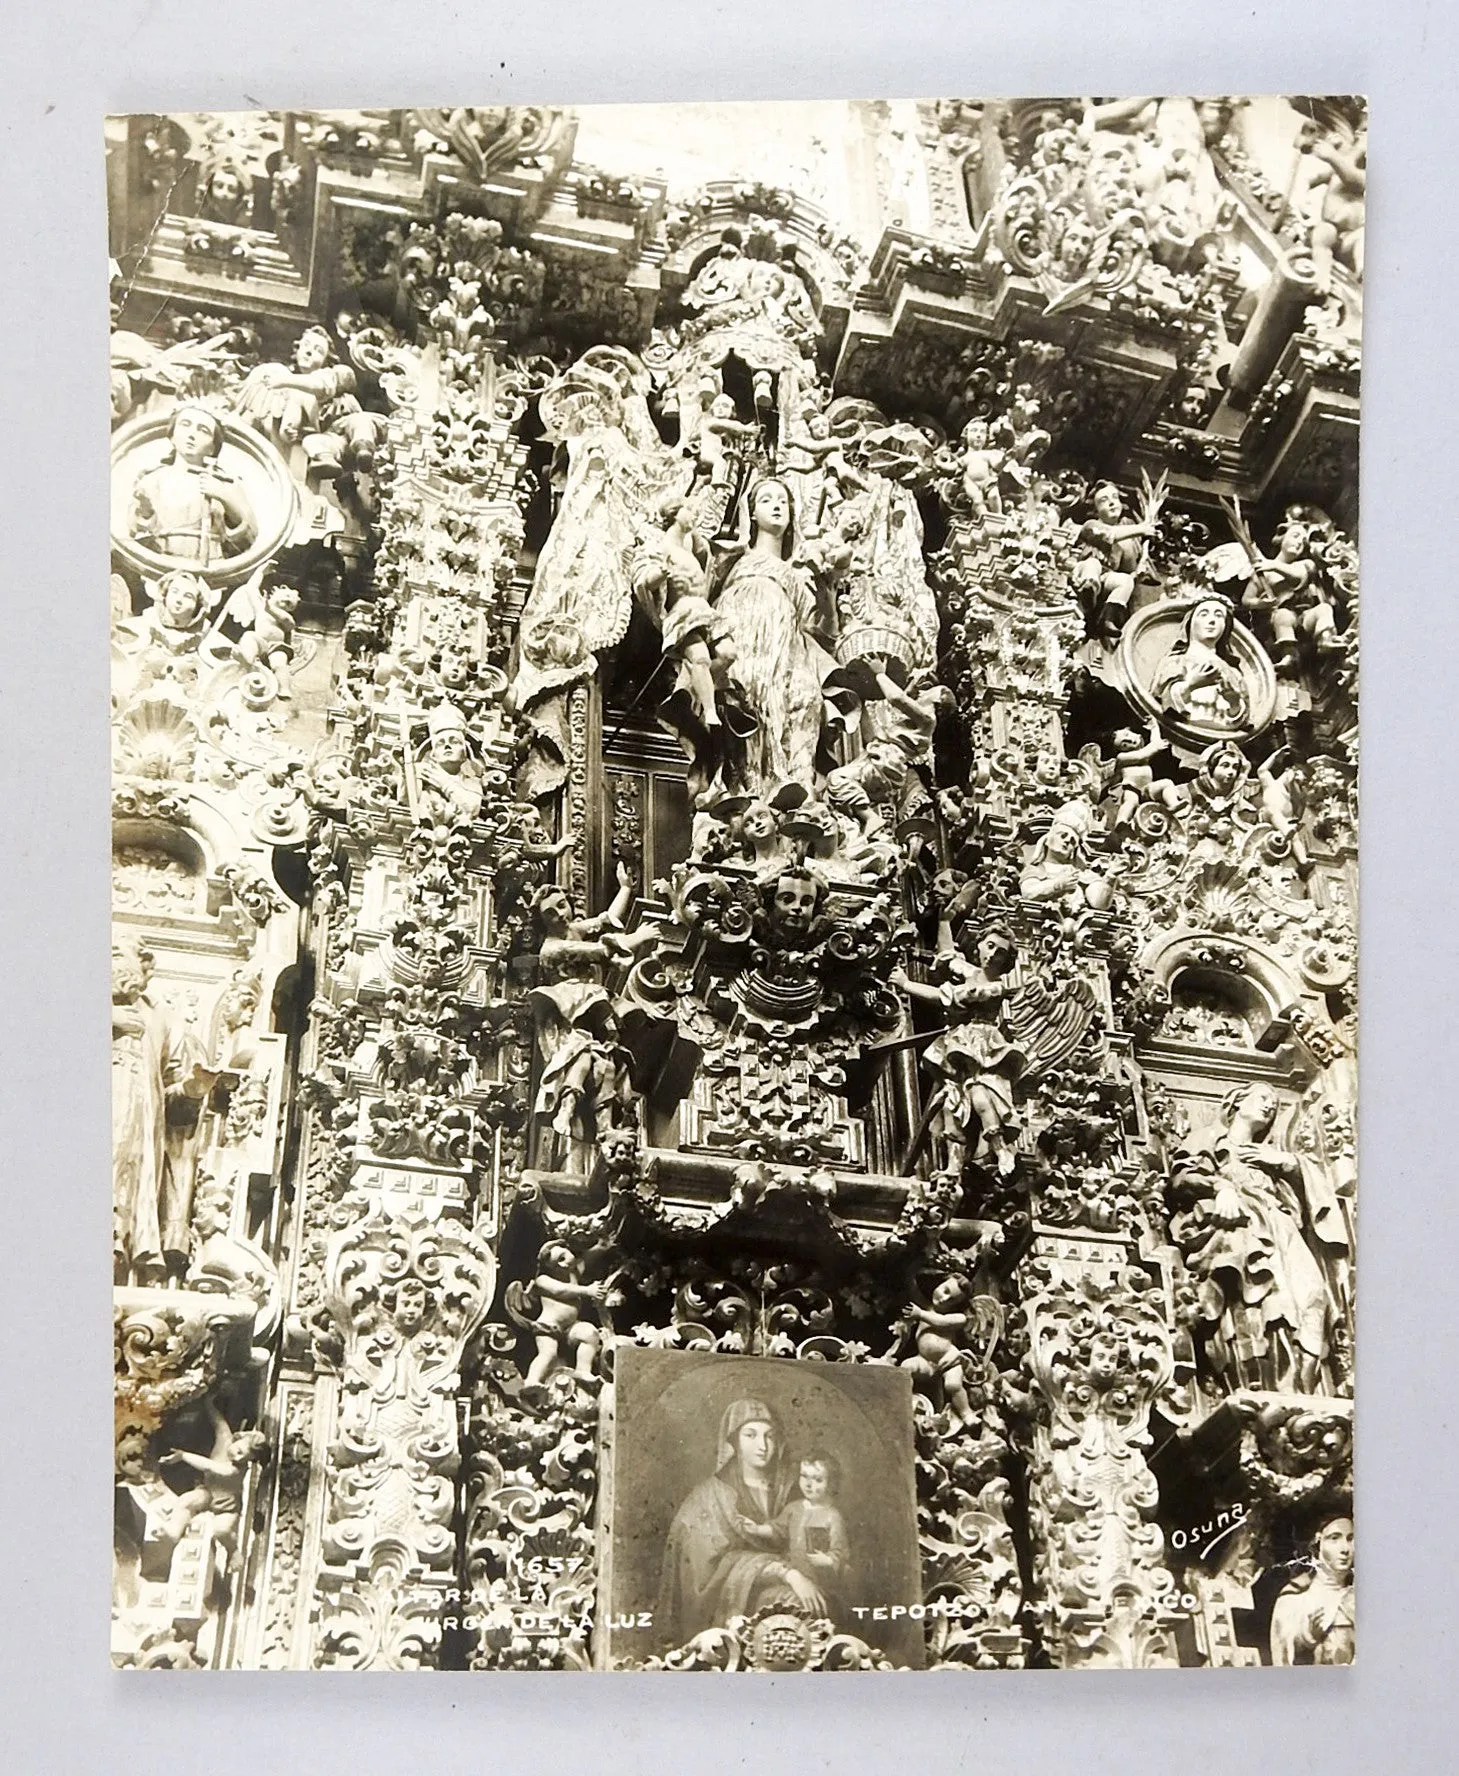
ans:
(141, 445)
(1147, 640)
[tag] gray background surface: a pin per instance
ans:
(62, 67)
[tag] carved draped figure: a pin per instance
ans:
(768, 609)
(1272, 1282)
(618, 469)
(151, 1172)
(1314, 1622)
(172, 514)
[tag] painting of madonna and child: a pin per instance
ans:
(740, 1486)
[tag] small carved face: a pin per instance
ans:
(1107, 506)
(312, 351)
(722, 407)
(950, 1292)
(1260, 1105)
(770, 508)
(756, 1441)
(795, 904)
(1047, 767)
(410, 1305)
(130, 972)
(211, 1216)
(131, 1456)
(1104, 1359)
(182, 600)
(975, 434)
(1225, 772)
(1294, 541)
(1335, 1546)
(995, 954)
(283, 601)
(618, 1147)
(1209, 620)
(448, 749)
(225, 188)
(195, 435)
(814, 1483)
(1062, 843)
(758, 822)
(554, 909)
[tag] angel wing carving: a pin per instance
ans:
(1046, 1024)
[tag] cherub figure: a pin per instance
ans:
(268, 618)
(1337, 229)
(217, 1503)
(980, 463)
(1132, 771)
(811, 445)
(944, 1333)
(1116, 552)
(1282, 803)
(721, 441)
(551, 1308)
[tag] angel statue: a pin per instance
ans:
(1286, 587)
(290, 402)
(994, 1035)
(552, 1307)
(1117, 551)
(583, 1086)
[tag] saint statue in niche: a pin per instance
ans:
(158, 1087)
(1200, 678)
(1240, 1225)
(187, 506)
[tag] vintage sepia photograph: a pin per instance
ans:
(734, 815)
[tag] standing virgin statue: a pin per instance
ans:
(775, 619)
